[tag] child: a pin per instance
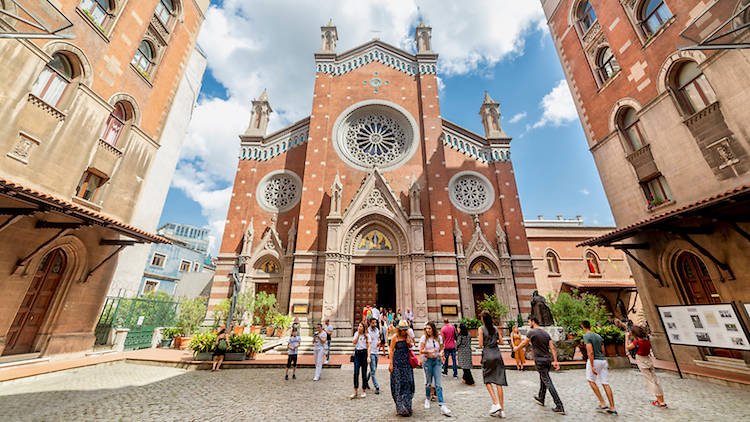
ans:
(292, 346)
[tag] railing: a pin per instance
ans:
(140, 315)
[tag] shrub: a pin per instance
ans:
(191, 314)
(171, 332)
(203, 342)
(570, 309)
(244, 343)
(497, 310)
(519, 320)
(472, 323)
(221, 311)
(610, 334)
(263, 308)
(282, 321)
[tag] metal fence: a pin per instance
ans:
(140, 315)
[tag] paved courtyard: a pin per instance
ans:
(131, 392)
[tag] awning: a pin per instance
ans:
(731, 206)
(601, 284)
(44, 202)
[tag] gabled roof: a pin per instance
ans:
(376, 51)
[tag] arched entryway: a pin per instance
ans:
(21, 337)
(696, 281)
(483, 276)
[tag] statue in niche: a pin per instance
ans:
(423, 43)
(502, 241)
(247, 240)
(540, 310)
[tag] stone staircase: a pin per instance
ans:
(344, 346)
(725, 364)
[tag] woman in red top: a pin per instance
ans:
(642, 346)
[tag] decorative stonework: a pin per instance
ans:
(274, 145)
(471, 192)
(279, 191)
(22, 149)
(374, 200)
(474, 148)
(376, 53)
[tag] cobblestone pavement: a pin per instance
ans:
(130, 392)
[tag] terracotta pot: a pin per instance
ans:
(621, 349)
(176, 342)
(473, 332)
(255, 329)
(584, 353)
(238, 329)
(185, 343)
(610, 350)
(251, 355)
(269, 331)
(279, 332)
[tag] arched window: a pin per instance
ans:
(656, 191)
(592, 262)
(607, 64)
(165, 10)
(629, 125)
(120, 116)
(586, 15)
(99, 11)
(691, 88)
(654, 14)
(144, 57)
(553, 265)
(53, 80)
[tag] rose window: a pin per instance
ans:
(471, 192)
(279, 191)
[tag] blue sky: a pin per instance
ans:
(554, 169)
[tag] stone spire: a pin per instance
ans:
(414, 195)
(336, 188)
(490, 112)
(328, 38)
(423, 38)
(261, 112)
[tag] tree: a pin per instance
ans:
(263, 308)
(191, 314)
(496, 309)
(570, 309)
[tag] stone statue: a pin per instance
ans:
(247, 240)
(540, 310)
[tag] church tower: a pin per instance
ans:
(375, 198)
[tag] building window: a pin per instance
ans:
(586, 16)
(158, 260)
(185, 266)
(90, 184)
(116, 121)
(654, 14)
(99, 11)
(629, 124)
(196, 267)
(150, 286)
(656, 191)
(553, 265)
(607, 64)
(164, 11)
(53, 80)
(592, 262)
(144, 57)
(692, 89)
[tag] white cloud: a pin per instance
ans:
(558, 107)
(585, 192)
(257, 44)
(517, 117)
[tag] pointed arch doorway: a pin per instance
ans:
(32, 313)
(374, 285)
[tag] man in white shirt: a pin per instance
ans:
(374, 335)
(375, 313)
(319, 341)
(329, 334)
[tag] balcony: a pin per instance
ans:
(643, 163)
(106, 157)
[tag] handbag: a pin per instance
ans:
(413, 360)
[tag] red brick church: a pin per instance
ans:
(376, 198)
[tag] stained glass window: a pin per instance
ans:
(375, 240)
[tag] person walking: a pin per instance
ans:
(463, 350)
(373, 335)
(390, 316)
(383, 332)
(329, 335)
(220, 349)
(448, 331)
(319, 349)
(642, 347)
(402, 374)
(493, 367)
(516, 338)
(545, 357)
(375, 313)
(597, 368)
(291, 360)
(361, 348)
(430, 347)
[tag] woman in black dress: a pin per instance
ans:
(220, 349)
(493, 368)
(402, 374)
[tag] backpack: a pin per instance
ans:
(222, 346)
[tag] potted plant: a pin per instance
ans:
(281, 323)
(263, 308)
(203, 345)
(238, 345)
(472, 324)
(167, 335)
(497, 310)
(612, 336)
(254, 345)
(191, 314)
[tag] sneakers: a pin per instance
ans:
(495, 409)
(294, 376)
(657, 404)
(325, 362)
(377, 390)
(502, 414)
(561, 411)
(353, 396)
(445, 411)
(539, 401)
(286, 377)
(426, 403)
(363, 395)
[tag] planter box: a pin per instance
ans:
(203, 356)
(610, 350)
(235, 356)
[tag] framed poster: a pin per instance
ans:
(716, 325)
(449, 310)
(299, 308)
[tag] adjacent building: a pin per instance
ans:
(376, 197)
(562, 265)
(662, 91)
(86, 92)
(183, 261)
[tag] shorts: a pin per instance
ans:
(602, 370)
(291, 360)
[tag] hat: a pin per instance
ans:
(403, 325)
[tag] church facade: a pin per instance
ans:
(376, 198)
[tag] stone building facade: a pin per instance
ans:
(667, 123)
(82, 110)
(562, 265)
(375, 197)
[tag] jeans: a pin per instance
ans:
(432, 368)
(374, 369)
(328, 348)
(450, 353)
(543, 366)
(360, 365)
